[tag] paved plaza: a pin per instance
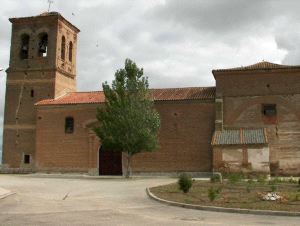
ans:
(105, 201)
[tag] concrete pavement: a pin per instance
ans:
(61, 201)
(4, 193)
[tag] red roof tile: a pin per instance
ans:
(263, 65)
(170, 94)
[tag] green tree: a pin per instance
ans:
(128, 121)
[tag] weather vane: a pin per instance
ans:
(49, 2)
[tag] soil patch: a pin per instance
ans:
(239, 195)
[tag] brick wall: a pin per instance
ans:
(253, 83)
(185, 138)
(59, 150)
(243, 97)
(33, 79)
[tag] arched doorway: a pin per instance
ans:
(110, 162)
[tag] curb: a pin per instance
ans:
(70, 176)
(85, 176)
(222, 209)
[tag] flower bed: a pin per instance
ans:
(242, 194)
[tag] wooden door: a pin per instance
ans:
(110, 162)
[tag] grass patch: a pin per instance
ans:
(240, 194)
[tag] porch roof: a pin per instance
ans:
(241, 136)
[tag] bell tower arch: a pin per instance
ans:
(37, 70)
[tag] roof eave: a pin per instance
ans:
(246, 71)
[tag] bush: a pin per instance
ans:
(234, 178)
(250, 181)
(273, 188)
(185, 182)
(299, 182)
(277, 180)
(250, 184)
(216, 178)
(292, 180)
(262, 179)
(213, 193)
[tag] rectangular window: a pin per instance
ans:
(69, 125)
(26, 159)
(269, 113)
(269, 110)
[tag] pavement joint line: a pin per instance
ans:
(7, 194)
(222, 209)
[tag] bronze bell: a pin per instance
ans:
(24, 48)
(43, 48)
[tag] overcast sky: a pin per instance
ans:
(177, 42)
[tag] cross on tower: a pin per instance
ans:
(49, 2)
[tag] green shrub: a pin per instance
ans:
(292, 180)
(299, 182)
(234, 178)
(250, 184)
(273, 188)
(213, 193)
(216, 178)
(272, 182)
(262, 179)
(276, 180)
(250, 181)
(248, 188)
(185, 182)
(294, 197)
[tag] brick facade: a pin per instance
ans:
(244, 93)
(186, 130)
(41, 94)
(32, 77)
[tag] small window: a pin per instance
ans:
(70, 51)
(63, 48)
(32, 93)
(43, 45)
(26, 159)
(69, 125)
(269, 110)
(24, 46)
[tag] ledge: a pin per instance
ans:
(222, 209)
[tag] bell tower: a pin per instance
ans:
(42, 66)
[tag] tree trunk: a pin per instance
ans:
(128, 169)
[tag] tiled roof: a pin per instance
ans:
(263, 65)
(240, 136)
(170, 94)
(191, 93)
(76, 98)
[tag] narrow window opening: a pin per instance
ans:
(32, 93)
(43, 45)
(269, 110)
(24, 46)
(63, 48)
(70, 51)
(26, 159)
(69, 125)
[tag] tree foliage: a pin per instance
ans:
(128, 121)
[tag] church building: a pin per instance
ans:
(248, 122)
